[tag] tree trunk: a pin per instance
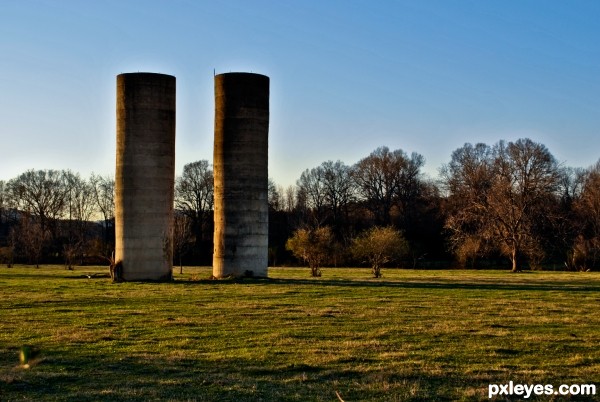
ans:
(515, 260)
(376, 271)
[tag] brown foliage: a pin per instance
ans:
(499, 195)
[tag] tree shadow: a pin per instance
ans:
(434, 283)
(141, 378)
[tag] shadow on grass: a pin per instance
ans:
(382, 283)
(34, 275)
(527, 284)
(145, 378)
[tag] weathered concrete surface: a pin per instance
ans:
(241, 175)
(145, 176)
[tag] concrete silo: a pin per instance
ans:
(241, 175)
(145, 176)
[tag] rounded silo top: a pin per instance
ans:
(141, 90)
(241, 74)
(243, 89)
(146, 75)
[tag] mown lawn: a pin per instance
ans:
(410, 336)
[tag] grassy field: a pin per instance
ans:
(410, 336)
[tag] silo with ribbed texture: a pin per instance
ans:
(240, 162)
(145, 176)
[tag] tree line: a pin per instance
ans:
(510, 204)
(56, 216)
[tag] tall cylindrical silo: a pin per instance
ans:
(241, 175)
(145, 176)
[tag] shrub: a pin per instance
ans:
(379, 246)
(313, 246)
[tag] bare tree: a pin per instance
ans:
(182, 237)
(8, 220)
(468, 179)
(103, 192)
(194, 196)
(31, 237)
(80, 207)
(500, 196)
(411, 188)
(586, 248)
(339, 189)
(275, 196)
(377, 181)
(388, 178)
(5, 252)
(289, 199)
(566, 224)
(3, 202)
(42, 193)
(311, 195)
(571, 183)
(326, 191)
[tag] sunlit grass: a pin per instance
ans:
(413, 335)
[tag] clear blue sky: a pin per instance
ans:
(346, 76)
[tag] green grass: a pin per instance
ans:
(411, 336)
